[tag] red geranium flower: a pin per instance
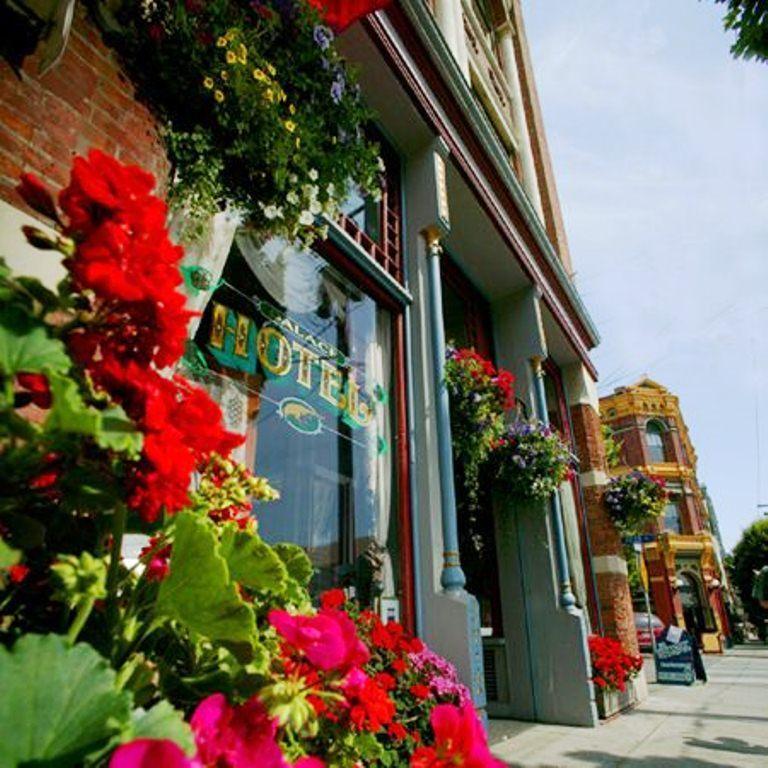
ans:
(420, 691)
(370, 707)
(333, 598)
(459, 741)
(35, 386)
(328, 640)
(17, 573)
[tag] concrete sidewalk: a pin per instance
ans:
(723, 724)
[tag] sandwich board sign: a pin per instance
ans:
(675, 657)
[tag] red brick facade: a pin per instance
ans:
(612, 585)
(84, 101)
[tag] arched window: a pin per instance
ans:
(654, 441)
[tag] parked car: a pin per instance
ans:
(641, 627)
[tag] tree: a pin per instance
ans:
(750, 555)
(749, 20)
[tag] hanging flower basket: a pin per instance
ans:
(259, 110)
(480, 396)
(635, 499)
(531, 460)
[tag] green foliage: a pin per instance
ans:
(259, 111)
(161, 722)
(26, 345)
(612, 447)
(749, 556)
(749, 20)
(297, 563)
(59, 703)
(199, 592)
(252, 562)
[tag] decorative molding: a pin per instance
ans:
(609, 564)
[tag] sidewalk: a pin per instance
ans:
(723, 724)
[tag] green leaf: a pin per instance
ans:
(22, 530)
(26, 347)
(162, 722)
(110, 428)
(8, 556)
(198, 592)
(59, 703)
(69, 412)
(296, 561)
(252, 561)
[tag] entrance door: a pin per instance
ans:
(694, 612)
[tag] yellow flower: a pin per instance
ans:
(292, 109)
(272, 71)
(242, 54)
(224, 74)
(269, 95)
(218, 95)
(298, 142)
(208, 83)
(258, 74)
(290, 126)
(231, 35)
(231, 58)
(221, 42)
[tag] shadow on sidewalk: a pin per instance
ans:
(727, 744)
(604, 760)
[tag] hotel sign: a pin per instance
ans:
(283, 351)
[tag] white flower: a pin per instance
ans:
(306, 219)
(272, 212)
(380, 164)
(313, 174)
(315, 207)
(331, 190)
(293, 178)
(292, 198)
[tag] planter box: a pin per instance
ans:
(611, 703)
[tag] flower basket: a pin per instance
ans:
(612, 672)
(480, 396)
(531, 460)
(635, 499)
(259, 109)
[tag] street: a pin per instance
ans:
(722, 724)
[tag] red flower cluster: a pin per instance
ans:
(612, 666)
(389, 637)
(369, 705)
(482, 370)
(125, 265)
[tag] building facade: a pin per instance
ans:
(688, 583)
(330, 359)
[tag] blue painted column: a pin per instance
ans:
(452, 578)
(567, 598)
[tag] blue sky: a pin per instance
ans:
(659, 141)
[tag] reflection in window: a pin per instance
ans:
(672, 518)
(654, 441)
(316, 359)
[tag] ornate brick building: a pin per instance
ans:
(684, 563)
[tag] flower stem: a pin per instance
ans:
(83, 612)
(118, 529)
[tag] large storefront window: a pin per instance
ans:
(314, 354)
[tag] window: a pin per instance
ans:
(375, 224)
(316, 355)
(672, 521)
(654, 441)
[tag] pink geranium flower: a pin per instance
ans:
(151, 753)
(236, 737)
(328, 640)
(459, 740)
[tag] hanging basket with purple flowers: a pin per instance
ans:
(532, 460)
(635, 499)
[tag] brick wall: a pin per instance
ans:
(84, 101)
(607, 551)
